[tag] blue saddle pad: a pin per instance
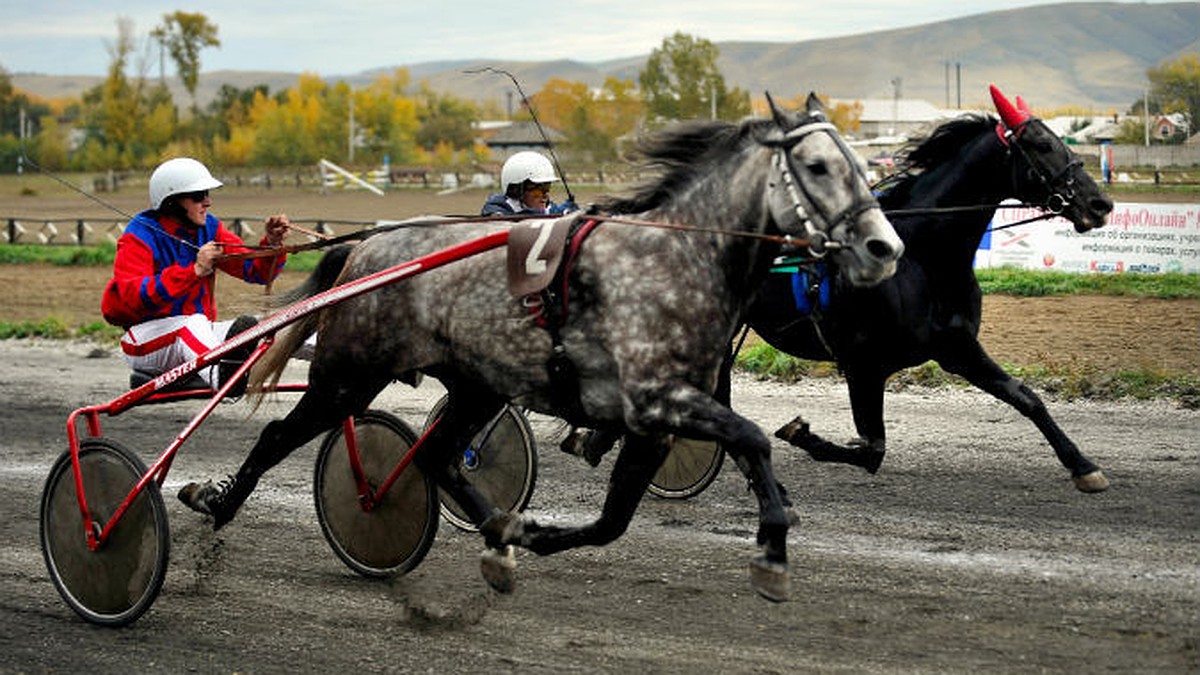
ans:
(811, 289)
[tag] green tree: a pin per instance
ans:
(12, 102)
(681, 81)
(230, 108)
(1175, 87)
(285, 127)
(591, 120)
(50, 145)
(444, 119)
(114, 113)
(183, 35)
(1131, 132)
(386, 120)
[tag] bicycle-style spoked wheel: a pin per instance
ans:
(116, 583)
(394, 536)
(690, 467)
(501, 462)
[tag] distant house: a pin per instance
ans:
(1163, 127)
(507, 139)
(1101, 129)
(885, 119)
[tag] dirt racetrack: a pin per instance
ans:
(968, 552)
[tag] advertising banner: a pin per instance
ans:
(1139, 238)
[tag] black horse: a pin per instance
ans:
(930, 310)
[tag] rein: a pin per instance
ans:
(325, 241)
(1046, 215)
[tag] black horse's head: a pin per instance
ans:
(1044, 163)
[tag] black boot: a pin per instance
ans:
(221, 501)
(234, 359)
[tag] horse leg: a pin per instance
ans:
(971, 362)
(866, 402)
(638, 460)
(662, 409)
(465, 414)
(590, 444)
(593, 444)
(314, 413)
(467, 411)
(768, 571)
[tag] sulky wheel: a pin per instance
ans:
(117, 582)
(394, 536)
(690, 467)
(500, 462)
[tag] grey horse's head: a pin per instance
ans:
(819, 192)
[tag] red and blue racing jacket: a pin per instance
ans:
(154, 277)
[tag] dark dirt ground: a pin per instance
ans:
(969, 551)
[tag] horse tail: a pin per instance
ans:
(270, 368)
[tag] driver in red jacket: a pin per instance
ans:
(163, 279)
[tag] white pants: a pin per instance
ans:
(159, 345)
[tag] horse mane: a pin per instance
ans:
(674, 156)
(930, 150)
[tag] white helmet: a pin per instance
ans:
(179, 176)
(527, 165)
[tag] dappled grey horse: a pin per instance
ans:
(647, 307)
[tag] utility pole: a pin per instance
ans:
(350, 140)
(1146, 116)
(896, 106)
(958, 81)
(21, 135)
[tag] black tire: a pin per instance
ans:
(393, 537)
(501, 463)
(691, 466)
(116, 583)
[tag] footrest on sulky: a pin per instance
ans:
(139, 377)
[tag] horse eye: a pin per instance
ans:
(817, 168)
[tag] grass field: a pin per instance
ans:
(40, 197)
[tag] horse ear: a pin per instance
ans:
(1024, 107)
(776, 113)
(1009, 114)
(813, 104)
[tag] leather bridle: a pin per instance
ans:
(820, 240)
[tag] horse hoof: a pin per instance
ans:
(793, 432)
(870, 459)
(499, 569)
(866, 454)
(770, 579)
(1091, 482)
(501, 528)
(793, 516)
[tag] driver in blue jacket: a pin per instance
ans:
(526, 178)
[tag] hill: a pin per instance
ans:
(1082, 54)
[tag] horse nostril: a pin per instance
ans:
(881, 250)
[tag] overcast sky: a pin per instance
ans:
(330, 38)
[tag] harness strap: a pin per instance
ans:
(549, 311)
(549, 307)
